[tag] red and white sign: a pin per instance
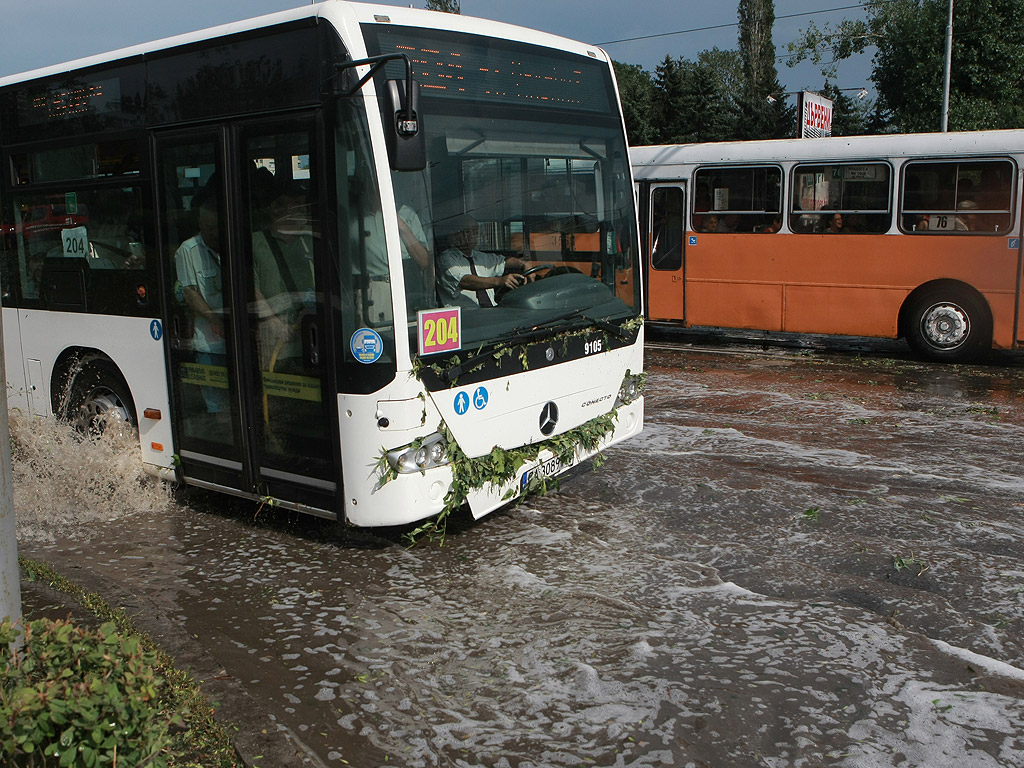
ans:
(816, 116)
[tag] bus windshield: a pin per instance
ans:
(525, 210)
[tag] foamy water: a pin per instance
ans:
(63, 480)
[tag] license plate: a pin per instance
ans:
(547, 468)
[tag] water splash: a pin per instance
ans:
(63, 480)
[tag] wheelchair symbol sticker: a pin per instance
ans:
(480, 398)
(693, 239)
(461, 403)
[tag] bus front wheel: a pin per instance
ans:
(949, 325)
(100, 401)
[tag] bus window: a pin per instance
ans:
(972, 196)
(84, 161)
(667, 228)
(737, 199)
(100, 229)
(836, 198)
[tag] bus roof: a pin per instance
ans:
(653, 162)
(341, 13)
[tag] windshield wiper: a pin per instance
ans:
(453, 372)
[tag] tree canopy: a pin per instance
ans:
(986, 76)
(724, 95)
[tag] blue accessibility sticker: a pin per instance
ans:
(367, 345)
(693, 239)
(461, 403)
(480, 398)
(1013, 243)
(156, 330)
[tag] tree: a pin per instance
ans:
(709, 107)
(669, 95)
(765, 114)
(636, 92)
(849, 116)
(446, 6)
(987, 73)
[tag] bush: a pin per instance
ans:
(78, 697)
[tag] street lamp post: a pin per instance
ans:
(10, 585)
(948, 67)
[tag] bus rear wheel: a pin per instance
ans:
(949, 325)
(100, 401)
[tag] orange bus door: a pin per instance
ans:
(665, 240)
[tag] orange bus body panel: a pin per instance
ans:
(839, 284)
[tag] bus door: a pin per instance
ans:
(240, 225)
(666, 232)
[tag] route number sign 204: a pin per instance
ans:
(440, 330)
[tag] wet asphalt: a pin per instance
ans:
(813, 555)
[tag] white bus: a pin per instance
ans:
(255, 243)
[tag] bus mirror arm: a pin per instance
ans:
(405, 139)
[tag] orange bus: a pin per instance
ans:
(914, 236)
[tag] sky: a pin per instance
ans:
(37, 34)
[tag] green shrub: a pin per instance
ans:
(78, 697)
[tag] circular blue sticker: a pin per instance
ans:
(461, 403)
(480, 398)
(156, 330)
(367, 346)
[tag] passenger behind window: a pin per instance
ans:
(966, 222)
(835, 224)
(713, 222)
(283, 274)
(198, 265)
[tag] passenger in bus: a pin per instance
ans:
(835, 224)
(714, 223)
(774, 225)
(919, 222)
(417, 259)
(468, 276)
(283, 274)
(965, 222)
(198, 266)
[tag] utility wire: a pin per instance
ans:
(726, 26)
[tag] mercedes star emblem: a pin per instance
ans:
(548, 418)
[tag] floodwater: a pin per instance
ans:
(806, 559)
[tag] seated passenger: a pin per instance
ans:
(965, 222)
(712, 223)
(468, 276)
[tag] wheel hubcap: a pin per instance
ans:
(945, 326)
(102, 412)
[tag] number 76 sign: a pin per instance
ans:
(440, 330)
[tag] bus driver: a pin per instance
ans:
(468, 276)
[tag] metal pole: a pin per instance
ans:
(949, 65)
(10, 584)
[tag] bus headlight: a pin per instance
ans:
(431, 452)
(632, 387)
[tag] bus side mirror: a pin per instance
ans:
(406, 140)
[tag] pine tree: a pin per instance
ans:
(766, 113)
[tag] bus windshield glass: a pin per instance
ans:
(524, 214)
